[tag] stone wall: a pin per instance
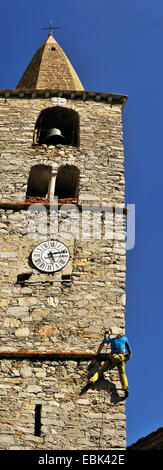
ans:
(68, 421)
(100, 156)
(45, 313)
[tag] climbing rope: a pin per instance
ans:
(107, 400)
(107, 395)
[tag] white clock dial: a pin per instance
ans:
(50, 256)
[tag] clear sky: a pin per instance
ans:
(116, 47)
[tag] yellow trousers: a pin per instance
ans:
(115, 359)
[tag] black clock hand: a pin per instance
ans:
(56, 252)
(50, 255)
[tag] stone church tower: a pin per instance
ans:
(62, 256)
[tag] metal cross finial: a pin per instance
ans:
(51, 27)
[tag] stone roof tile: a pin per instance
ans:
(50, 69)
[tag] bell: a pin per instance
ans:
(54, 137)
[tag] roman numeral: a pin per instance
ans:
(49, 267)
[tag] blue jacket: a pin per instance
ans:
(118, 345)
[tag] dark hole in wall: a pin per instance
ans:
(38, 180)
(66, 280)
(58, 117)
(21, 278)
(37, 430)
(67, 182)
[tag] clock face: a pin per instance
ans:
(50, 256)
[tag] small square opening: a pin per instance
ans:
(38, 420)
(66, 280)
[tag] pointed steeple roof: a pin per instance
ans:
(50, 69)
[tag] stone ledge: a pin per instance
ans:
(52, 355)
(25, 205)
(110, 98)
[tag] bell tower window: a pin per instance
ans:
(57, 125)
(67, 182)
(44, 183)
(38, 181)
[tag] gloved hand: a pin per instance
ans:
(108, 332)
(128, 357)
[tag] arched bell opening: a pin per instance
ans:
(57, 125)
(67, 182)
(39, 181)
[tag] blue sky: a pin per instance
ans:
(116, 47)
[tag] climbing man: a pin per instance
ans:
(116, 358)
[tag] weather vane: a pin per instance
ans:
(51, 27)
